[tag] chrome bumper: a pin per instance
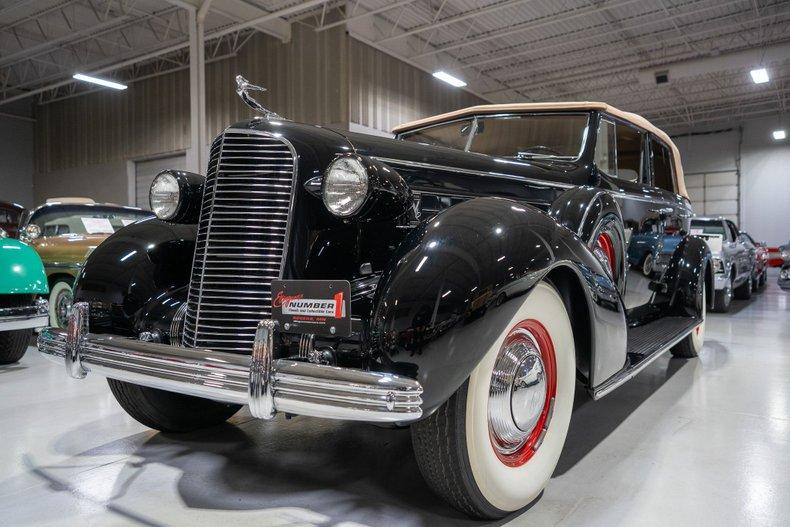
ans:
(27, 317)
(267, 385)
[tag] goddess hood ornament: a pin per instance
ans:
(243, 89)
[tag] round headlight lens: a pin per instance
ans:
(345, 186)
(164, 196)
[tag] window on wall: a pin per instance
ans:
(605, 151)
(451, 135)
(630, 147)
(662, 165)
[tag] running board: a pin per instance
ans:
(646, 344)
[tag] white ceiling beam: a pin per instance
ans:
(362, 16)
(169, 49)
(531, 25)
(487, 10)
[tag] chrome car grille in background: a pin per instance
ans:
(241, 239)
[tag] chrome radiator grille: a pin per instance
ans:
(241, 240)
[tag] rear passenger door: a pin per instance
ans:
(621, 155)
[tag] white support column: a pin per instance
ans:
(197, 155)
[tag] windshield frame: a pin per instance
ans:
(475, 119)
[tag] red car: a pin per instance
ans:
(10, 214)
(759, 272)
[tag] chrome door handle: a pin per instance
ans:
(663, 210)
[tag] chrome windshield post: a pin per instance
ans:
(77, 329)
(261, 395)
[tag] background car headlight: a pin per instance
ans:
(345, 186)
(164, 196)
(786, 254)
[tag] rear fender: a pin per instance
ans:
(688, 269)
(21, 270)
(458, 280)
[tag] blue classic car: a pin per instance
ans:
(652, 247)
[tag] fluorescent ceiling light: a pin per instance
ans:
(100, 82)
(449, 79)
(779, 135)
(760, 75)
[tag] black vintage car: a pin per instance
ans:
(464, 279)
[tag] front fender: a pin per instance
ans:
(458, 280)
(130, 275)
(21, 270)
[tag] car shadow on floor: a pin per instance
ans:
(346, 472)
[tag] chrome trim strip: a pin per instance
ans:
(267, 385)
(623, 376)
(25, 317)
(13, 323)
(499, 175)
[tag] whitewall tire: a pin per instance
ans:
(60, 300)
(691, 345)
(466, 450)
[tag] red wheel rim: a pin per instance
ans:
(542, 339)
(604, 242)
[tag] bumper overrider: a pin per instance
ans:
(266, 384)
(25, 317)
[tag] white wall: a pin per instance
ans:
(765, 182)
(105, 182)
(16, 160)
(765, 173)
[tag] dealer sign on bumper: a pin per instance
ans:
(322, 307)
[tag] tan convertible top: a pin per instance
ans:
(633, 118)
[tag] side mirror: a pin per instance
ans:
(30, 232)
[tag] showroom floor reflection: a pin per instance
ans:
(685, 443)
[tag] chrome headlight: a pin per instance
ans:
(345, 186)
(784, 274)
(786, 255)
(164, 196)
(3, 233)
(718, 265)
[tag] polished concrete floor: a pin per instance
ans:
(700, 442)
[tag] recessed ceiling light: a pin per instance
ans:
(449, 79)
(760, 75)
(779, 135)
(100, 82)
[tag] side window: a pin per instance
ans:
(733, 231)
(630, 146)
(662, 165)
(605, 151)
(452, 135)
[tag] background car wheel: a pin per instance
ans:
(169, 411)
(492, 447)
(744, 291)
(722, 299)
(61, 297)
(13, 344)
(647, 264)
(689, 347)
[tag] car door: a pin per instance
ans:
(621, 156)
(741, 252)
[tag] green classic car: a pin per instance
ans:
(22, 279)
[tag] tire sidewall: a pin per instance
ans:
(698, 337)
(511, 488)
(58, 289)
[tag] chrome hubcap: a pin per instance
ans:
(518, 392)
(63, 307)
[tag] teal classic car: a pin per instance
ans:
(22, 280)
